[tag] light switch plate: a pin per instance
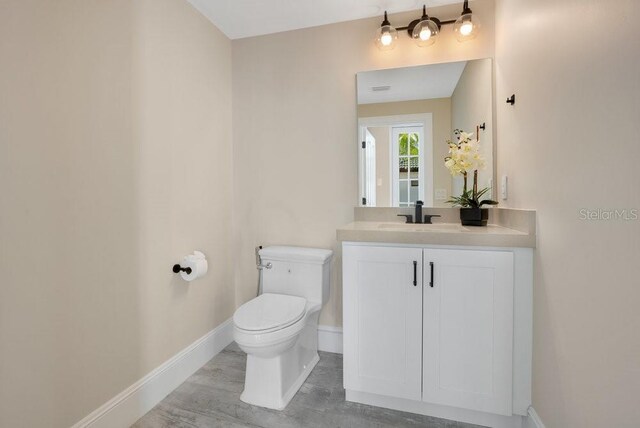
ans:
(441, 194)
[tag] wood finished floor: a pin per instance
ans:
(211, 398)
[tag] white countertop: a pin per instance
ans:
(436, 234)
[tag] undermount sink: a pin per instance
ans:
(413, 227)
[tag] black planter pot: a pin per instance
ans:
(474, 216)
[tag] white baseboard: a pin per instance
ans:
(330, 339)
(131, 404)
(533, 420)
(436, 410)
(127, 407)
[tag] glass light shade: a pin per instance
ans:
(466, 27)
(425, 33)
(386, 37)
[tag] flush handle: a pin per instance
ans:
(267, 266)
(415, 273)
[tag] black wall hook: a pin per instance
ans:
(512, 99)
(483, 126)
(178, 268)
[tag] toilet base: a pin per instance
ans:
(269, 393)
(273, 381)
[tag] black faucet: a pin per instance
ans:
(428, 217)
(418, 219)
(409, 217)
(418, 216)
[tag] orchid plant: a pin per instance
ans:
(465, 158)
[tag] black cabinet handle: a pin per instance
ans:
(415, 273)
(431, 282)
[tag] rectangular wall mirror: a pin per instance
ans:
(405, 117)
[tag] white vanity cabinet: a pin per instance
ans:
(443, 346)
(468, 329)
(384, 298)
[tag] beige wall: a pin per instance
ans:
(115, 161)
(294, 132)
(571, 143)
(88, 89)
(440, 108)
(472, 105)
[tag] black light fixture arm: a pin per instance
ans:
(415, 22)
(465, 8)
(424, 17)
(386, 20)
(425, 29)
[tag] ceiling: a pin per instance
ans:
(246, 18)
(409, 83)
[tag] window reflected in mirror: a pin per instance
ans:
(407, 165)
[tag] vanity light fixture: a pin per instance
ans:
(425, 31)
(386, 35)
(466, 27)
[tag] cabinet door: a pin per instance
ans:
(468, 329)
(382, 300)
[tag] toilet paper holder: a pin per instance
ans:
(177, 268)
(192, 266)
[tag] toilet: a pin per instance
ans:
(279, 329)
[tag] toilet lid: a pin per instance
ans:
(269, 311)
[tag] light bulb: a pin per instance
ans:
(385, 35)
(386, 39)
(425, 32)
(466, 28)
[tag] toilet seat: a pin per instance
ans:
(269, 312)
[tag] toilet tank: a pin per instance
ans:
(297, 271)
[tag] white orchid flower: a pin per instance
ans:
(464, 156)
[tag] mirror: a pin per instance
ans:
(405, 117)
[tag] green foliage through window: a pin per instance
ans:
(408, 140)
